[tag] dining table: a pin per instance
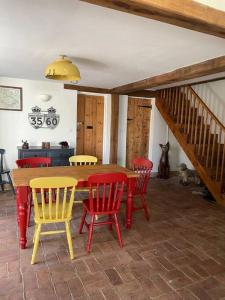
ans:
(21, 179)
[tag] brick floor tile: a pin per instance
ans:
(94, 281)
(150, 288)
(161, 284)
(62, 272)
(210, 283)
(42, 293)
(199, 270)
(165, 263)
(198, 291)
(187, 294)
(113, 276)
(30, 280)
(134, 255)
(43, 278)
(125, 273)
(220, 277)
(179, 254)
(189, 272)
(127, 289)
(217, 293)
(80, 266)
(110, 294)
(96, 295)
(93, 264)
(170, 296)
(62, 290)
(108, 261)
(212, 267)
(177, 279)
(76, 288)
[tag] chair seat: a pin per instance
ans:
(46, 212)
(86, 203)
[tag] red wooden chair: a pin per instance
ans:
(106, 191)
(33, 162)
(143, 167)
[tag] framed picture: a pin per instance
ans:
(11, 98)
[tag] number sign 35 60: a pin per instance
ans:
(43, 119)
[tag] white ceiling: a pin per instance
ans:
(110, 48)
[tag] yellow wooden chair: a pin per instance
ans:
(86, 160)
(82, 160)
(55, 210)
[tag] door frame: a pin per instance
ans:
(106, 125)
(122, 129)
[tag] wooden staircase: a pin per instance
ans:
(200, 134)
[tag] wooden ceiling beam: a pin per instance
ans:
(187, 14)
(143, 94)
(88, 89)
(208, 67)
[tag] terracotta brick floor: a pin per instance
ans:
(179, 254)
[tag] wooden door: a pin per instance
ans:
(138, 126)
(90, 114)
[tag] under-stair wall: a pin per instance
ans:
(199, 132)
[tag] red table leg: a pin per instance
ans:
(131, 186)
(21, 201)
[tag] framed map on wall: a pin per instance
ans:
(11, 98)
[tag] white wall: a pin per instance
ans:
(122, 130)
(213, 94)
(159, 134)
(15, 126)
(106, 129)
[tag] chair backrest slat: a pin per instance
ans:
(50, 202)
(64, 203)
(79, 160)
(108, 190)
(42, 203)
(143, 167)
(50, 208)
(57, 203)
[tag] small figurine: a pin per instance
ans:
(64, 144)
(25, 145)
(164, 167)
(45, 145)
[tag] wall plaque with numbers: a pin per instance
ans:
(43, 119)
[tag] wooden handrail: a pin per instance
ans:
(201, 129)
(206, 108)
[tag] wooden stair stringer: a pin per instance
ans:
(188, 149)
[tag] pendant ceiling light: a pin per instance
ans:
(62, 69)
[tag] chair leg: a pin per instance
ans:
(82, 220)
(11, 184)
(90, 233)
(1, 183)
(118, 231)
(35, 231)
(110, 220)
(69, 239)
(145, 207)
(36, 242)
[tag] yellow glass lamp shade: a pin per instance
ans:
(62, 69)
